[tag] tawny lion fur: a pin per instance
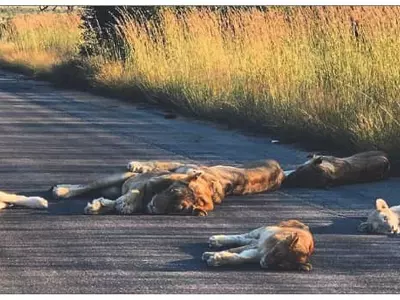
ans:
(324, 171)
(172, 187)
(286, 246)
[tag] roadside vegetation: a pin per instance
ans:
(327, 74)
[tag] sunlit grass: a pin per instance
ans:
(40, 40)
(300, 71)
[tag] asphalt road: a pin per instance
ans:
(50, 136)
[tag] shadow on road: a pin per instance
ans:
(342, 226)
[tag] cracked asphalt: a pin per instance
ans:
(50, 136)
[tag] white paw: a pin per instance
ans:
(131, 166)
(62, 190)
(207, 255)
(214, 241)
(137, 167)
(212, 259)
(93, 208)
(37, 202)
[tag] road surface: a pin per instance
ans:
(50, 136)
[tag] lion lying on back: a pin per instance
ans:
(286, 246)
(176, 188)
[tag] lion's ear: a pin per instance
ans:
(364, 227)
(317, 160)
(193, 175)
(381, 204)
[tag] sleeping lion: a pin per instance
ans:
(382, 220)
(325, 171)
(286, 246)
(156, 187)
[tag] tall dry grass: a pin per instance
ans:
(299, 70)
(40, 41)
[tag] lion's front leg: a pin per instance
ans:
(129, 203)
(229, 240)
(231, 258)
(235, 239)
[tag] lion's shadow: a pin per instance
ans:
(338, 226)
(196, 264)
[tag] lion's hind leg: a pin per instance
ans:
(72, 190)
(21, 200)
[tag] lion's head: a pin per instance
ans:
(313, 173)
(291, 251)
(382, 220)
(178, 198)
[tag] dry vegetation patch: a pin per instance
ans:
(327, 73)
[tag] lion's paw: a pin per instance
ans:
(207, 255)
(211, 258)
(94, 207)
(63, 190)
(307, 267)
(133, 166)
(214, 241)
(36, 202)
(99, 206)
(138, 167)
